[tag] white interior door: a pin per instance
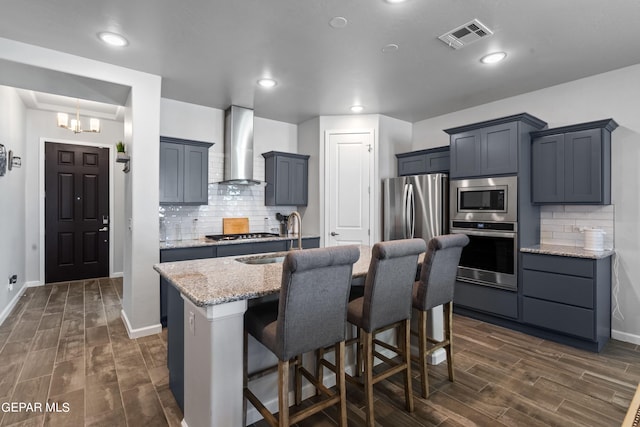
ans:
(349, 171)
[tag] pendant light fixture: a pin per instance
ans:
(76, 126)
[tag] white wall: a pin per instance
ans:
(614, 94)
(391, 136)
(42, 124)
(309, 144)
(141, 296)
(12, 212)
(189, 121)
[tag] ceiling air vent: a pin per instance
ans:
(465, 34)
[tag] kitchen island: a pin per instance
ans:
(216, 293)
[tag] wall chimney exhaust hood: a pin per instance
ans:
(238, 147)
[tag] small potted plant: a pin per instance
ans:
(120, 149)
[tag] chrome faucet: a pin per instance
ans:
(289, 223)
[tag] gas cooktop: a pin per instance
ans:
(223, 237)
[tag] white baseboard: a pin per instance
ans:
(117, 274)
(7, 310)
(625, 336)
(34, 284)
(183, 423)
(139, 332)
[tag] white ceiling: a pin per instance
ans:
(211, 52)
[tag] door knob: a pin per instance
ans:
(333, 233)
(104, 229)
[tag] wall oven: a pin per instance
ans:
(485, 209)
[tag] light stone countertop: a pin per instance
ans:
(568, 251)
(203, 241)
(214, 281)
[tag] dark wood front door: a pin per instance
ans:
(76, 212)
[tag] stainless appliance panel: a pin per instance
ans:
(490, 258)
(415, 206)
(482, 188)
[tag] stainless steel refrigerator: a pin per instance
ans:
(415, 206)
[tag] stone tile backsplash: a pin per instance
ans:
(560, 224)
(192, 222)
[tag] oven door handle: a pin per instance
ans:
(506, 235)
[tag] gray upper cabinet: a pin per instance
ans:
(287, 178)
(184, 168)
(490, 148)
(421, 162)
(572, 164)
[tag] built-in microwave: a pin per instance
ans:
(484, 199)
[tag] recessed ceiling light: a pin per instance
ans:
(268, 83)
(390, 48)
(492, 58)
(395, 1)
(113, 39)
(338, 22)
(357, 108)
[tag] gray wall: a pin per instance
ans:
(614, 94)
(42, 124)
(12, 211)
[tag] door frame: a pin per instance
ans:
(41, 201)
(373, 158)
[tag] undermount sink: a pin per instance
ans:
(262, 259)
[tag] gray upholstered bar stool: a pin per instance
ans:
(386, 304)
(435, 287)
(310, 314)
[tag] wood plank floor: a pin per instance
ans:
(506, 378)
(66, 343)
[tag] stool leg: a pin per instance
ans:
(358, 353)
(422, 352)
(298, 380)
(319, 369)
(367, 339)
(341, 384)
(406, 353)
(283, 393)
(448, 324)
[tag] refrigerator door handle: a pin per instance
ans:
(412, 212)
(405, 195)
(410, 224)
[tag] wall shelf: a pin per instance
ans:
(123, 158)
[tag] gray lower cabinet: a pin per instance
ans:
(492, 147)
(172, 308)
(433, 160)
(184, 169)
(486, 299)
(287, 178)
(572, 164)
(568, 295)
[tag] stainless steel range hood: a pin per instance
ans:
(238, 146)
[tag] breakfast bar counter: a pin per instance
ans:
(215, 293)
(213, 281)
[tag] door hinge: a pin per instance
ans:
(369, 190)
(369, 232)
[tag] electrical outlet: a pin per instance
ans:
(192, 323)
